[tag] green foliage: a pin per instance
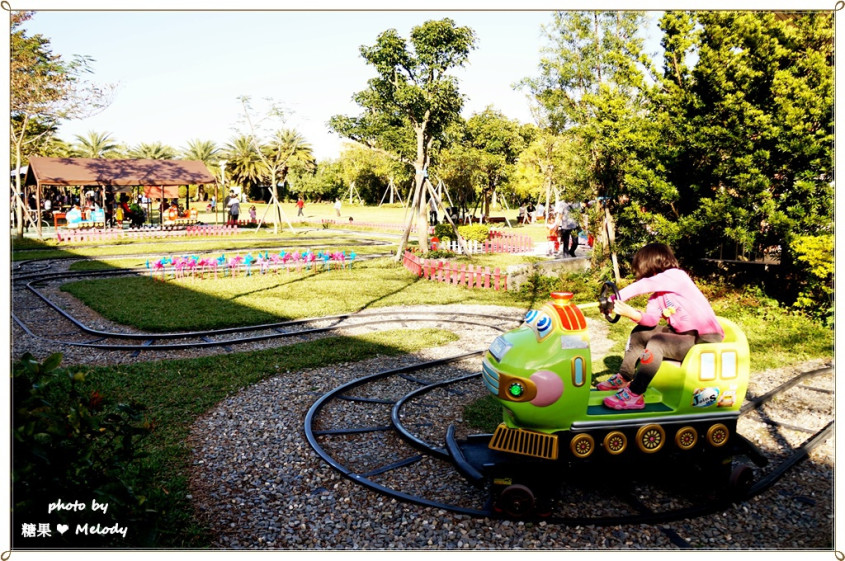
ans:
(74, 444)
(474, 232)
(537, 286)
(440, 254)
(444, 230)
(480, 154)
(815, 256)
(412, 93)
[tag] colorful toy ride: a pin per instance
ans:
(554, 419)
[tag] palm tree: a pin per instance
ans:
(244, 166)
(94, 145)
(152, 151)
(206, 151)
(288, 150)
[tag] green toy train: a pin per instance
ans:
(554, 418)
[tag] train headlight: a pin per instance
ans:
(516, 390)
(512, 388)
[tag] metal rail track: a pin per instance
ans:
(422, 449)
(224, 337)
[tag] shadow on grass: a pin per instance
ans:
(171, 395)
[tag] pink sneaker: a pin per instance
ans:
(615, 382)
(624, 399)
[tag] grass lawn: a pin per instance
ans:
(172, 395)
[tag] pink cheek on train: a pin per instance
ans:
(549, 388)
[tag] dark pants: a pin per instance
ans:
(648, 346)
(569, 240)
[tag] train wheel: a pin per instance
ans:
(582, 445)
(717, 435)
(517, 501)
(686, 438)
(650, 438)
(741, 479)
(615, 442)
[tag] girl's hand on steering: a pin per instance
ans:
(623, 309)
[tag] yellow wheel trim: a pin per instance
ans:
(717, 435)
(582, 445)
(615, 442)
(650, 438)
(686, 438)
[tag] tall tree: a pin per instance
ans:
(205, 151)
(44, 91)
(152, 151)
(411, 101)
(294, 154)
(756, 166)
(243, 162)
(94, 145)
(274, 151)
(591, 83)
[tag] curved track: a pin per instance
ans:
(403, 410)
(78, 334)
(398, 400)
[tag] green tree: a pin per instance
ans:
(207, 152)
(411, 101)
(243, 162)
(486, 148)
(756, 166)
(94, 145)
(44, 90)
(591, 85)
(294, 155)
(152, 151)
(371, 171)
(326, 183)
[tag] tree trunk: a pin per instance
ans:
(18, 197)
(406, 230)
(611, 241)
(418, 205)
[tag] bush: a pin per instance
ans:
(440, 254)
(539, 286)
(444, 231)
(75, 446)
(475, 232)
(814, 256)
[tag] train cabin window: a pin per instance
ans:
(578, 372)
(707, 369)
(729, 364)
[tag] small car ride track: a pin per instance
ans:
(376, 428)
(78, 334)
(335, 441)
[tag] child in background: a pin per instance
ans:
(252, 215)
(674, 298)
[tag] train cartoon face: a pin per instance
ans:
(539, 370)
(541, 373)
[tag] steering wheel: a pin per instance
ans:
(605, 303)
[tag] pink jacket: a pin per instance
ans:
(676, 298)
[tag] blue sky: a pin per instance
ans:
(180, 74)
